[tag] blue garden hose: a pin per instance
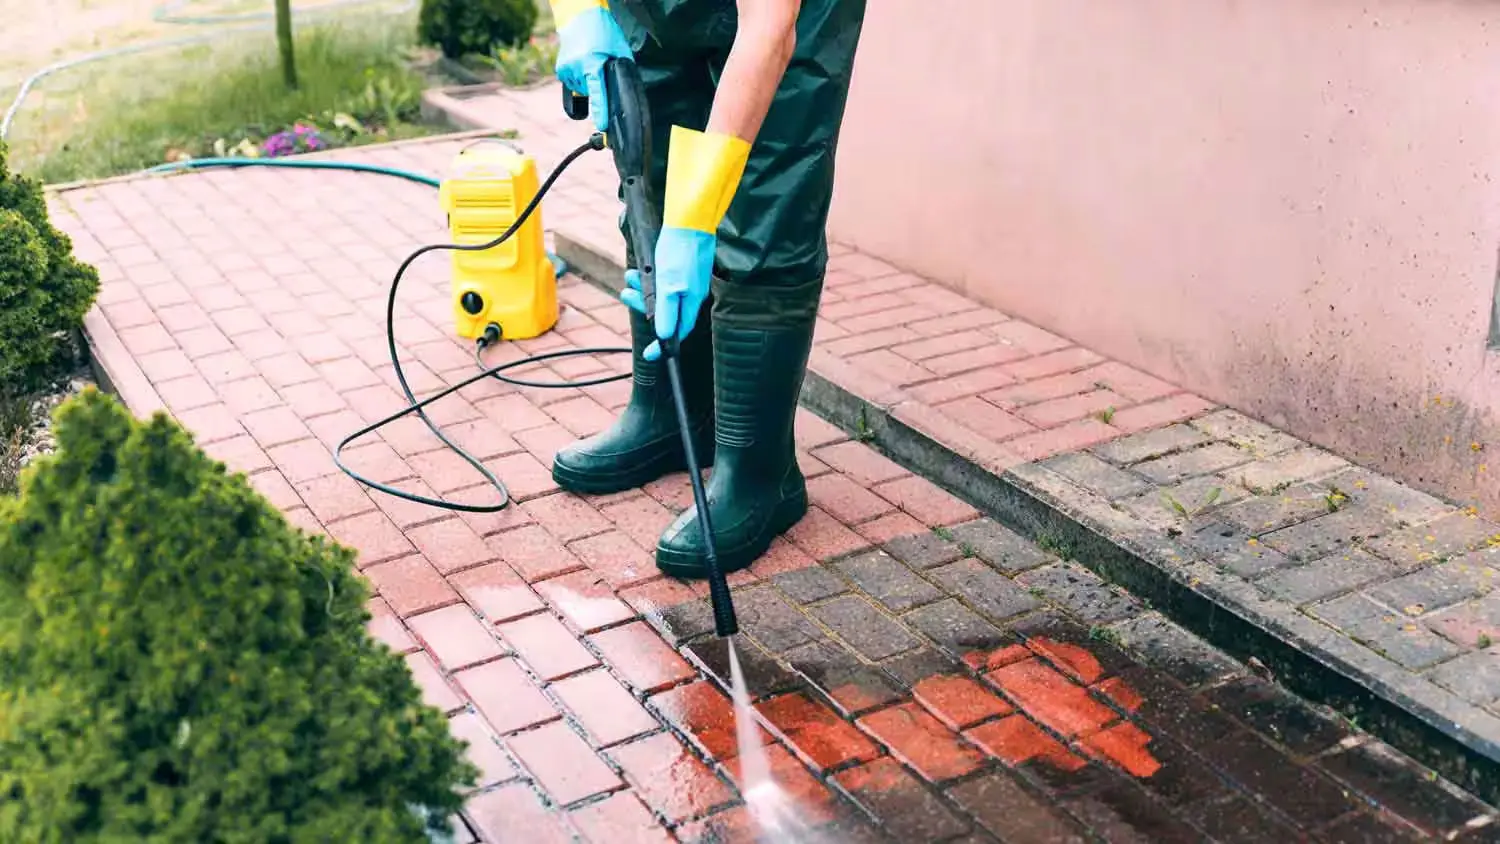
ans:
(320, 164)
(304, 163)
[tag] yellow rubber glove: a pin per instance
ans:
(703, 172)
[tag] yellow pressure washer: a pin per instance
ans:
(509, 290)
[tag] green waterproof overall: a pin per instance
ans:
(744, 362)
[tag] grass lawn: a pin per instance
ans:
(226, 96)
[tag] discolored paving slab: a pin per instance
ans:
(590, 687)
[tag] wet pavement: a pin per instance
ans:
(920, 673)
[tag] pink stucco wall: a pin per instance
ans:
(1290, 206)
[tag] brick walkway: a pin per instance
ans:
(1285, 537)
(920, 672)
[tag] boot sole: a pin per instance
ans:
(595, 483)
(688, 567)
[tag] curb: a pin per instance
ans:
(115, 370)
(1428, 723)
(448, 104)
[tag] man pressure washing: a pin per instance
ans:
(746, 98)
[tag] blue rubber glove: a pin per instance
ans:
(589, 39)
(684, 265)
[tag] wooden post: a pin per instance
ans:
(284, 40)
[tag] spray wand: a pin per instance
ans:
(629, 139)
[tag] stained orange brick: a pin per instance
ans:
(998, 658)
(959, 701)
(1051, 698)
(922, 742)
(1125, 745)
(1120, 693)
(815, 732)
(1072, 659)
(814, 802)
(704, 713)
(1016, 740)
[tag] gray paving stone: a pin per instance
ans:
(1327, 577)
(1403, 788)
(1349, 612)
(763, 675)
(811, 584)
(1447, 536)
(1272, 474)
(852, 686)
(684, 621)
(1475, 676)
(889, 581)
(1198, 497)
(998, 546)
(869, 631)
(1386, 632)
(1398, 502)
(958, 630)
(774, 623)
(915, 666)
(1164, 645)
(1081, 592)
(1206, 460)
(1149, 444)
(1436, 587)
(924, 550)
(988, 592)
(1327, 534)
(1235, 551)
(1263, 514)
(1094, 474)
(1234, 427)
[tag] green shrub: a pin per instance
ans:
(178, 664)
(464, 27)
(44, 290)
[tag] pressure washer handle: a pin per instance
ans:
(630, 141)
(576, 106)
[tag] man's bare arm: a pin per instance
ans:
(762, 50)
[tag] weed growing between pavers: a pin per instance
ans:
(177, 663)
(127, 113)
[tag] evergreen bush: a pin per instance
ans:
(180, 664)
(465, 27)
(44, 290)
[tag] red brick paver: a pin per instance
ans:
(892, 694)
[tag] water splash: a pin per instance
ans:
(774, 812)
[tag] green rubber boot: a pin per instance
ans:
(762, 338)
(645, 443)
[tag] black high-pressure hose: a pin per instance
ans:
(630, 123)
(417, 407)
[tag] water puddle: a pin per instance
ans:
(775, 814)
